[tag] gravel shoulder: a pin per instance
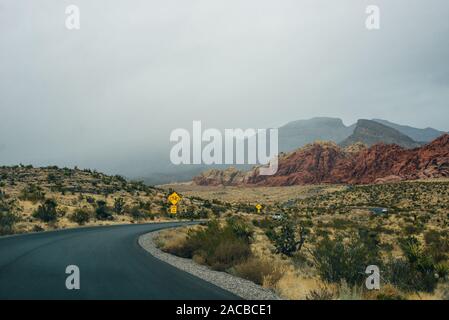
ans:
(238, 286)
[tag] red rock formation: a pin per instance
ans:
(328, 163)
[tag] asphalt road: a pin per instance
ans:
(112, 266)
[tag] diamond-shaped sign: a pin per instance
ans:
(174, 198)
(258, 207)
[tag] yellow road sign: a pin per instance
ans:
(174, 198)
(258, 207)
(173, 209)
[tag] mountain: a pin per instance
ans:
(421, 135)
(298, 133)
(329, 163)
(371, 132)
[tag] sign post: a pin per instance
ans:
(174, 199)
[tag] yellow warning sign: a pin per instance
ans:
(258, 207)
(173, 209)
(174, 198)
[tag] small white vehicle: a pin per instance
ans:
(277, 216)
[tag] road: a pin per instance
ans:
(112, 266)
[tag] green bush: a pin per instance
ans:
(220, 247)
(119, 205)
(102, 212)
(265, 223)
(80, 216)
(32, 193)
(337, 259)
(418, 271)
(437, 242)
(285, 239)
(8, 216)
(137, 213)
(47, 211)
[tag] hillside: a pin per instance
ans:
(36, 199)
(371, 132)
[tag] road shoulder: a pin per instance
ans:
(238, 286)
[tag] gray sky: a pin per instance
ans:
(108, 95)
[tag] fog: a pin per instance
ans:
(108, 95)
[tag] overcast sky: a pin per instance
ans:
(114, 89)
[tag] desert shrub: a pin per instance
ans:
(240, 228)
(8, 216)
(339, 260)
(119, 205)
(172, 241)
(7, 221)
(137, 213)
(301, 260)
(218, 209)
(37, 228)
(189, 214)
(47, 212)
(438, 244)
(227, 253)
(62, 211)
(417, 271)
(264, 223)
(52, 177)
(80, 216)
(342, 224)
(258, 270)
(102, 211)
(285, 239)
(219, 246)
(32, 193)
(386, 292)
(321, 293)
(202, 214)
(411, 229)
(350, 292)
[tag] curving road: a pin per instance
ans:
(112, 266)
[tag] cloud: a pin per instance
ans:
(109, 94)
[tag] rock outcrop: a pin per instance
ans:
(329, 163)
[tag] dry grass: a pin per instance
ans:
(261, 271)
(264, 195)
(442, 291)
(171, 240)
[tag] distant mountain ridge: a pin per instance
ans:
(419, 135)
(371, 132)
(329, 163)
(299, 133)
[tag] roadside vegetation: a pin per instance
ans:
(319, 247)
(38, 199)
(311, 245)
